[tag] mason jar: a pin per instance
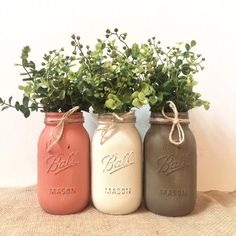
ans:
(63, 165)
(116, 164)
(169, 169)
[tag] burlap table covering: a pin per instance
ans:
(20, 214)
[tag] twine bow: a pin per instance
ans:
(61, 124)
(110, 126)
(175, 124)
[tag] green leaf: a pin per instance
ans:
(24, 55)
(161, 96)
(9, 100)
(5, 107)
(43, 84)
(193, 43)
(128, 52)
(62, 95)
(112, 96)
(1, 101)
(147, 89)
(31, 64)
(153, 100)
(22, 108)
(34, 107)
(17, 106)
(186, 54)
(135, 50)
(25, 101)
(145, 101)
(178, 62)
(135, 94)
(141, 96)
(27, 79)
(187, 46)
(186, 69)
(25, 111)
(23, 74)
(206, 105)
(110, 103)
(21, 87)
(136, 103)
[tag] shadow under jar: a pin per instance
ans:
(116, 165)
(169, 169)
(63, 168)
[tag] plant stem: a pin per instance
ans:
(9, 105)
(27, 72)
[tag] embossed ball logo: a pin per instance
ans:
(60, 162)
(170, 163)
(113, 163)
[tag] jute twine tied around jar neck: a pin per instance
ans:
(111, 125)
(176, 123)
(60, 125)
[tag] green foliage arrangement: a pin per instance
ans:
(51, 88)
(113, 74)
(171, 74)
(112, 77)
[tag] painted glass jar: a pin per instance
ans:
(169, 169)
(116, 164)
(63, 164)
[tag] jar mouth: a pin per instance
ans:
(56, 117)
(128, 117)
(158, 118)
(181, 115)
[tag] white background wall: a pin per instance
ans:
(48, 24)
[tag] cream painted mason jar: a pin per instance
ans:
(116, 164)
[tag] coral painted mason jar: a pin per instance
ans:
(170, 171)
(116, 164)
(63, 164)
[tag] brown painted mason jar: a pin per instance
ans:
(169, 169)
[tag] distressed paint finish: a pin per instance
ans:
(169, 170)
(117, 167)
(64, 171)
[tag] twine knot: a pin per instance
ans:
(111, 125)
(175, 124)
(175, 121)
(61, 124)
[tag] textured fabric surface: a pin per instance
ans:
(21, 215)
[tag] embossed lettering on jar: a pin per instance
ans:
(170, 170)
(63, 165)
(116, 164)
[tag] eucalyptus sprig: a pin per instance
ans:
(51, 88)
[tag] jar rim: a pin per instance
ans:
(56, 117)
(126, 117)
(158, 118)
(183, 115)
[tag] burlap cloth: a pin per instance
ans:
(20, 214)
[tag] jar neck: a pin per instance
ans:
(53, 118)
(121, 118)
(158, 118)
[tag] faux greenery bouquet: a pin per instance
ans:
(112, 77)
(171, 74)
(113, 74)
(51, 88)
